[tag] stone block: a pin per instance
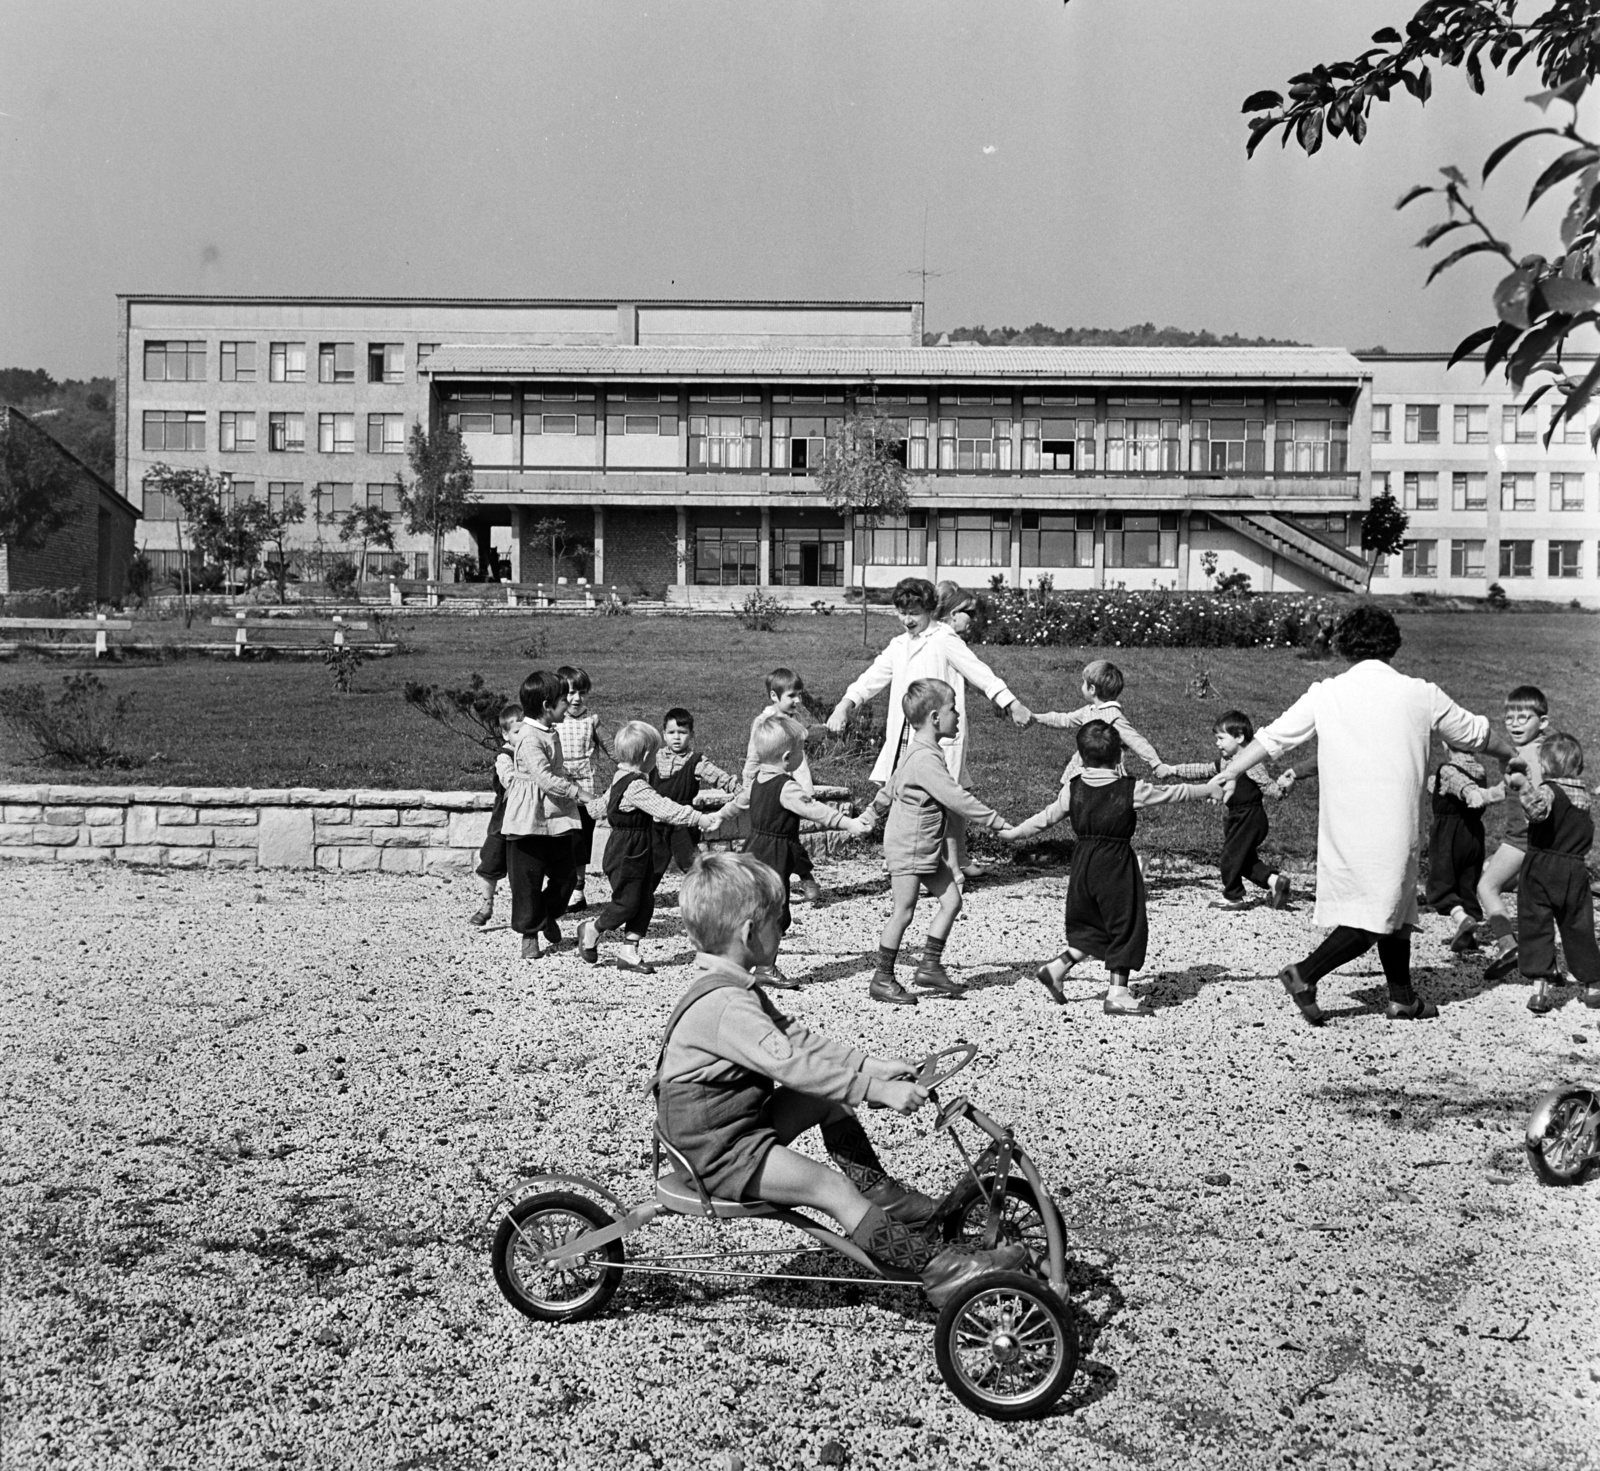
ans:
(28, 855)
(22, 812)
(83, 796)
(16, 834)
(346, 837)
(220, 797)
(231, 816)
(424, 817)
(332, 816)
(468, 829)
(16, 792)
(400, 837)
(287, 838)
(60, 837)
(189, 837)
(176, 816)
(267, 796)
(141, 826)
(459, 801)
(63, 816)
(141, 853)
(377, 816)
(105, 837)
(103, 816)
(327, 857)
(85, 854)
(400, 860)
(386, 799)
(238, 838)
(162, 796)
(448, 860)
(362, 860)
(233, 858)
(188, 857)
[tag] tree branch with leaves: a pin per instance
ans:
(436, 502)
(863, 477)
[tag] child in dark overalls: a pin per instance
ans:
(1458, 792)
(492, 855)
(636, 812)
(1105, 895)
(1244, 829)
(737, 1082)
(1554, 890)
(678, 775)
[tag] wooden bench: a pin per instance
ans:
(99, 624)
(243, 622)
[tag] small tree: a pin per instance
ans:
(1383, 531)
(550, 532)
(863, 477)
(35, 485)
(203, 519)
(272, 526)
(437, 500)
(369, 525)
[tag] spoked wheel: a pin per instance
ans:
(1021, 1220)
(565, 1294)
(1006, 1346)
(1563, 1138)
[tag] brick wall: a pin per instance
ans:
(641, 550)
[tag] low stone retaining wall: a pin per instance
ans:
(247, 827)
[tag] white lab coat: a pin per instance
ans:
(937, 653)
(1373, 728)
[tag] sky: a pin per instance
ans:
(1077, 165)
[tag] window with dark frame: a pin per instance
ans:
(386, 362)
(1141, 540)
(1422, 423)
(286, 433)
(336, 362)
(174, 362)
(1516, 558)
(286, 362)
(1466, 559)
(238, 362)
(1566, 559)
(1419, 559)
(174, 429)
(236, 431)
(1057, 539)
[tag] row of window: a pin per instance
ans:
(330, 499)
(1469, 490)
(239, 362)
(1470, 424)
(165, 563)
(1467, 558)
(167, 430)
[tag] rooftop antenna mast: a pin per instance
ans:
(922, 272)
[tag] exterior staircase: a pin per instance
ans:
(1279, 535)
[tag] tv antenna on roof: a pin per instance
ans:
(923, 274)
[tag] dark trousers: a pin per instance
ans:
(492, 857)
(582, 847)
(1555, 895)
(1455, 864)
(632, 903)
(1347, 942)
(539, 872)
(1242, 836)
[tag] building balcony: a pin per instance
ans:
(1010, 489)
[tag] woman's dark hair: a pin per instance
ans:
(1367, 633)
(1099, 743)
(541, 690)
(915, 593)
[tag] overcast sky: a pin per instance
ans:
(1077, 165)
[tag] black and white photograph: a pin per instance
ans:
(760, 737)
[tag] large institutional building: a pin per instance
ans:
(676, 443)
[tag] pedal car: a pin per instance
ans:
(1563, 1138)
(1005, 1342)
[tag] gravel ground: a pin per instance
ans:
(255, 1125)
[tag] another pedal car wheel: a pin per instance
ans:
(1006, 1346)
(1020, 1218)
(564, 1294)
(1563, 1137)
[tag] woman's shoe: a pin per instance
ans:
(1226, 903)
(1303, 993)
(1541, 1002)
(1133, 1006)
(551, 933)
(1411, 1011)
(637, 967)
(588, 943)
(1501, 965)
(1591, 998)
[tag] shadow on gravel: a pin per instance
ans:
(1170, 988)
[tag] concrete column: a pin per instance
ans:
(519, 533)
(849, 549)
(764, 549)
(598, 572)
(933, 547)
(1016, 549)
(1267, 566)
(1099, 549)
(1183, 550)
(683, 547)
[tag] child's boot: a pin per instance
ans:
(1465, 938)
(811, 891)
(482, 917)
(930, 974)
(588, 943)
(884, 987)
(530, 947)
(1543, 999)
(1279, 890)
(1505, 949)
(770, 975)
(849, 1147)
(943, 1269)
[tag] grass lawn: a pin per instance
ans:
(204, 722)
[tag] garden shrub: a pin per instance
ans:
(1158, 619)
(81, 726)
(46, 602)
(341, 578)
(760, 612)
(343, 661)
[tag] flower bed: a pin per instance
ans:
(1157, 619)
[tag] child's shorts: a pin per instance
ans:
(725, 1133)
(492, 857)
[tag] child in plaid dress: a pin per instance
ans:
(583, 744)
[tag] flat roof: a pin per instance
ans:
(718, 301)
(912, 364)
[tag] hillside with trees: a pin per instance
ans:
(1144, 334)
(77, 413)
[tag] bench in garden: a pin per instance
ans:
(99, 625)
(243, 622)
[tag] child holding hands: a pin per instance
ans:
(737, 1082)
(919, 797)
(1105, 896)
(492, 855)
(679, 771)
(1458, 792)
(1102, 688)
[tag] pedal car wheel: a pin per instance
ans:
(565, 1294)
(1020, 1218)
(1563, 1135)
(1006, 1346)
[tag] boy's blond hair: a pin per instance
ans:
(1104, 678)
(923, 697)
(773, 735)
(509, 715)
(635, 743)
(1561, 755)
(720, 892)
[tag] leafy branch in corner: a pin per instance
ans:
(472, 711)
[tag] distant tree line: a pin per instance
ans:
(77, 413)
(1144, 334)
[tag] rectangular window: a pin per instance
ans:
(1419, 559)
(1142, 446)
(1051, 445)
(1472, 424)
(1466, 559)
(238, 362)
(1566, 559)
(1421, 490)
(1469, 490)
(1422, 423)
(386, 362)
(1380, 423)
(286, 362)
(174, 362)
(1518, 426)
(174, 429)
(727, 555)
(336, 362)
(1516, 492)
(1311, 447)
(1058, 539)
(975, 538)
(1221, 446)
(1569, 431)
(386, 434)
(1566, 492)
(236, 430)
(895, 541)
(1516, 559)
(336, 434)
(286, 433)
(384, 496)
(798, 441)
(334, 500)
(158, 506)
(239, 492)
(282, 494)
(1141, 541)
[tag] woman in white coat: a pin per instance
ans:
(928, 649)
(1374, 728)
